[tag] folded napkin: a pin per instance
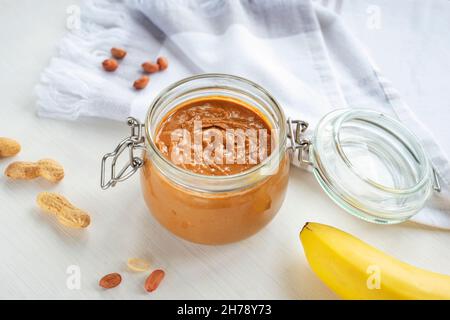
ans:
(299, 51)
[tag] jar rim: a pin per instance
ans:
(355, 114)
(276, 106)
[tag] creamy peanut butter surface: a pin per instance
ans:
(214, 136)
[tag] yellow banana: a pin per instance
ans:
(355, 270)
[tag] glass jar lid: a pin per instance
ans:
(371, 165)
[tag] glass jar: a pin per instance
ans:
(214, 209)
(202, 208)
(368, 163)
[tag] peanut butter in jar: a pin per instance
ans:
(216, 169)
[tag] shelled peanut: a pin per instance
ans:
(138, 265)
(141, 83)
(110, 65)
(163, 63)
(153, 280)
(150, 67)
(118, 53)
(66, 213)
(8, 147)
(46, 168)
(110, 281)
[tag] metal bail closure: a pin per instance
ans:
(295, 130)
(132, 143)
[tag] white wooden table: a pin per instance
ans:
(35, 251)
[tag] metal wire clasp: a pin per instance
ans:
(295, 130)
(132, 143)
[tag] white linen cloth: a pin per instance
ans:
(299, 51)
